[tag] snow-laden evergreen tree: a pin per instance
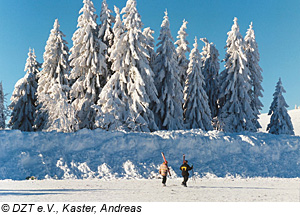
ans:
(181, 50)
(2, 108)
(112, 103)
(256, 78)
(235, 114)
(132, 85)
(196, 109)
(23, 99)
(55, 71)
(87, 60)
(169, 112)
(106, 35)
(210, 70)
(280, 122)
(149, 45)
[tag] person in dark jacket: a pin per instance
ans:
(185, 168)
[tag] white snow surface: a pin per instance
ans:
(100, 154)
(123, 167)
(206, 189)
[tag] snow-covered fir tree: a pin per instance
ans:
(235, 114)
(181, 50)
(55, 71)
(210, 70)
(169, 112)
(280, 122)
(87, 60)
(23, 99)
(256, 78)
(111, 106)
(2, 108)
(149, 45)
(106, 35)
(196, 109)
(131, 88)
(54, 112)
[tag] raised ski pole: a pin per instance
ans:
(163, 155)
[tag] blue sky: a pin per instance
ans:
(276, 23)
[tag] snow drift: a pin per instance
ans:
(107, 155)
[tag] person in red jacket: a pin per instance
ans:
(163, 170)
(185, 168)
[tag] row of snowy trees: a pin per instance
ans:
(113, 78)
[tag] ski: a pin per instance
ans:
(163, 155)
(183, 158)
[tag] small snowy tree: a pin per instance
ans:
(169, 112)
(181, 50)
(55, 71)
(196, 109)
(106, 35)
(2, 108)
(256, 78)
(280, 122)
(149, 45)
(235, 114)
(210, 71)
(133, 74)
(87, 60)
(23, 100)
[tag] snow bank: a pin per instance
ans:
(107, 155)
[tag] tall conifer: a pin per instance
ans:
(196, 109)
(23, 99)
(88, 64)
(169, 112)
(235, 114)
(210, 71)
(255, 70)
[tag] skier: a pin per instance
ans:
(163, 170)
(185, 168)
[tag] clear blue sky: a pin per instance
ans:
(25, 24)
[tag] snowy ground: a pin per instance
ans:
(145, 190)
(100, 166)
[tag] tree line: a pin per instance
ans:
(113, 78)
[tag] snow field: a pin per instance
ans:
(122, 190)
